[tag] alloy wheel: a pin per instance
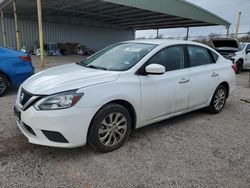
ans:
(112, 129)
(2, 85)
(219, 99)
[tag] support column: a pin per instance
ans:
(16, 26)
(157, 34)
(3, 29)
(227, 30)
(187, 36)
(40, 27)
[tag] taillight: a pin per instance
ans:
(234, 67)
(25, 58)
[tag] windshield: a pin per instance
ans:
(118, 57)
(242, 46)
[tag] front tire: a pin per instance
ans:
(110, 128)
(3, 85)
(218, 101)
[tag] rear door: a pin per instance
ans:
(204, 76)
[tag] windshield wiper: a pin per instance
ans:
(80, 63)
(96, 67)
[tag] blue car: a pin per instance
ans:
(15, 68)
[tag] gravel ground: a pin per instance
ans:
(193, 150)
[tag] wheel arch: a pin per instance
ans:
(7, 77)
(123, 103)
(240, 59)
(129, 107)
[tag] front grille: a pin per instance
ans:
(24, 97)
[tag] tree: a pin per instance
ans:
(212, 35)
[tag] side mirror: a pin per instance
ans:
(247, 51)
(155, 69)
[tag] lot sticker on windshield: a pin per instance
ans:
(132, 49)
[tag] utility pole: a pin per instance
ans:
(238, 25)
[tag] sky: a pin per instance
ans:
(227, 9)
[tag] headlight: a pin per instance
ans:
(59, 101)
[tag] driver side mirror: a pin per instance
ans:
(155, 69)
(247, 51)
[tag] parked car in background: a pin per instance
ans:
(242, 57)
(84, 50)
(52, 49)
(15, 68)
(227, 47)
(122, 87)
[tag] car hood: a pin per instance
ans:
(65, 78)
(227, 43)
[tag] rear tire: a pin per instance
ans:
(4, 84)
(110, 128)
(218, 101)
(239, 64)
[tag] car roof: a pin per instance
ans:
(166, 42)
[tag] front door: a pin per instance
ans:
(162, 95)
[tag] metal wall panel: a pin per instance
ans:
(93, 37)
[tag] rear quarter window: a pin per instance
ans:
(215, 56)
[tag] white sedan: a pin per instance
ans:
(125, 86)
(242, 57)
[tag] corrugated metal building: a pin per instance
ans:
(98, 23)
(93, 37)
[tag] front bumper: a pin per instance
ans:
(66, 128)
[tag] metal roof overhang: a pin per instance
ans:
(123, 14)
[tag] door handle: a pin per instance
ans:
(183, 80)
(214, 74)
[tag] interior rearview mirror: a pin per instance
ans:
(155, 69)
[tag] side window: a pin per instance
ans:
(171, 57)
(198, 56)
(248, 47)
